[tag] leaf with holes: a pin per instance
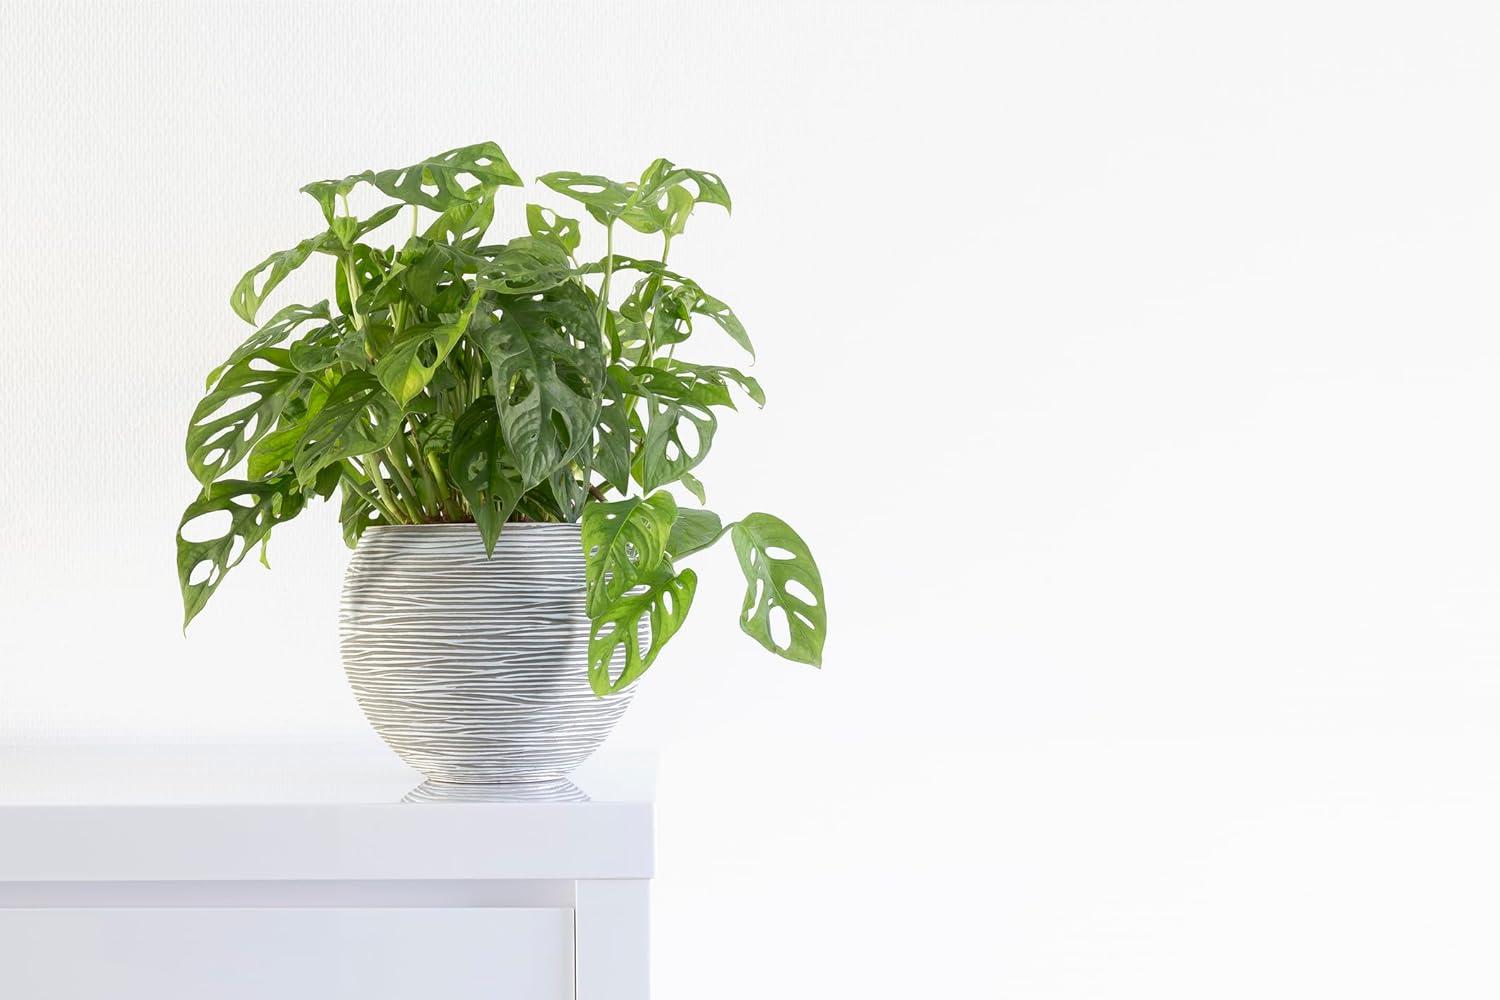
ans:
(360, 417)
(782, 577)
(459, 175)
(408, 365)
(273, 454)
(545, 224)
(612, 428)
(480, 466)
(253, 509)
(252, 289)
(678, 436)
(525, 264)
(623, 543)
(660, 605)
(720, 376)
(693, 531)
(605, 199)
(547, 368)
(276, 329)
(241, 409)
(661, 203)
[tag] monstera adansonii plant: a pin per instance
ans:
(451, 379)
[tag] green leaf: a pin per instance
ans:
(327, 346)
(415, 355)
(694, 486)
(464, 222)
(247, 297)
(660, 202)
(720, 376)
(661, 605)
(356, 513)
(253, 508)
(666, 453)
(525, 264)
(693, 531)
(242, 408)
(480, 466)
(782, 575)
(547, 368)
(439, 182)
(612, 430)
(273, 332)
(604, 198)
(360, 417)
(543, 223)
(369, 275)
(326, 193)
(273, 454)
(623, 543)
(698, 301)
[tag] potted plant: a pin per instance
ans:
(500, 421)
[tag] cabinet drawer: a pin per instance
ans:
(286, 954)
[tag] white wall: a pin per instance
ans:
(1133, 374)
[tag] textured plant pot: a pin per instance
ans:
(474, 669)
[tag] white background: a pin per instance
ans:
(1132, 372)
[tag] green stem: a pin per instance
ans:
(390, 508)
(408, 496)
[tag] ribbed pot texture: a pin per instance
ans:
(474, 669)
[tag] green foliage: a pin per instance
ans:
(457, 380)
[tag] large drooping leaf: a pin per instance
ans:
(414, 356)
(623, 543)
(252, 289)
(480, 466)
(253, 509)
(660, 604)
(782, 577)
(547, 368)
(360, 417)
(459, 175)
(670, 448)
(271, 333)
(242, 408)
(693, 531)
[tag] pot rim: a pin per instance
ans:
(470, 526)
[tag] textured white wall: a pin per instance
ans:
(1132, 372)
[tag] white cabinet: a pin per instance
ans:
(295, 872)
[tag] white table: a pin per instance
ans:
(323, 871)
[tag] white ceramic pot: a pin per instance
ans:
(472, 668)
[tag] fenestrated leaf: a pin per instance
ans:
(693, 531)
(612, 430)
(720, 376)
(698, 301)
(273, 332)
(242, 408)
(666, 453)
(660, 201)
(409, 363)
(253, 508)
(369, 272)
(525, 264)
(782, 575)
(605, 199)
(660, 604)
(543, 223)
(547, 368)
(360, 417)
(252, 289)
(480, 466)
(623, 543)
(326, 193)
(464, 222)
(331, 344)
(459, 175)
(273, 453)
